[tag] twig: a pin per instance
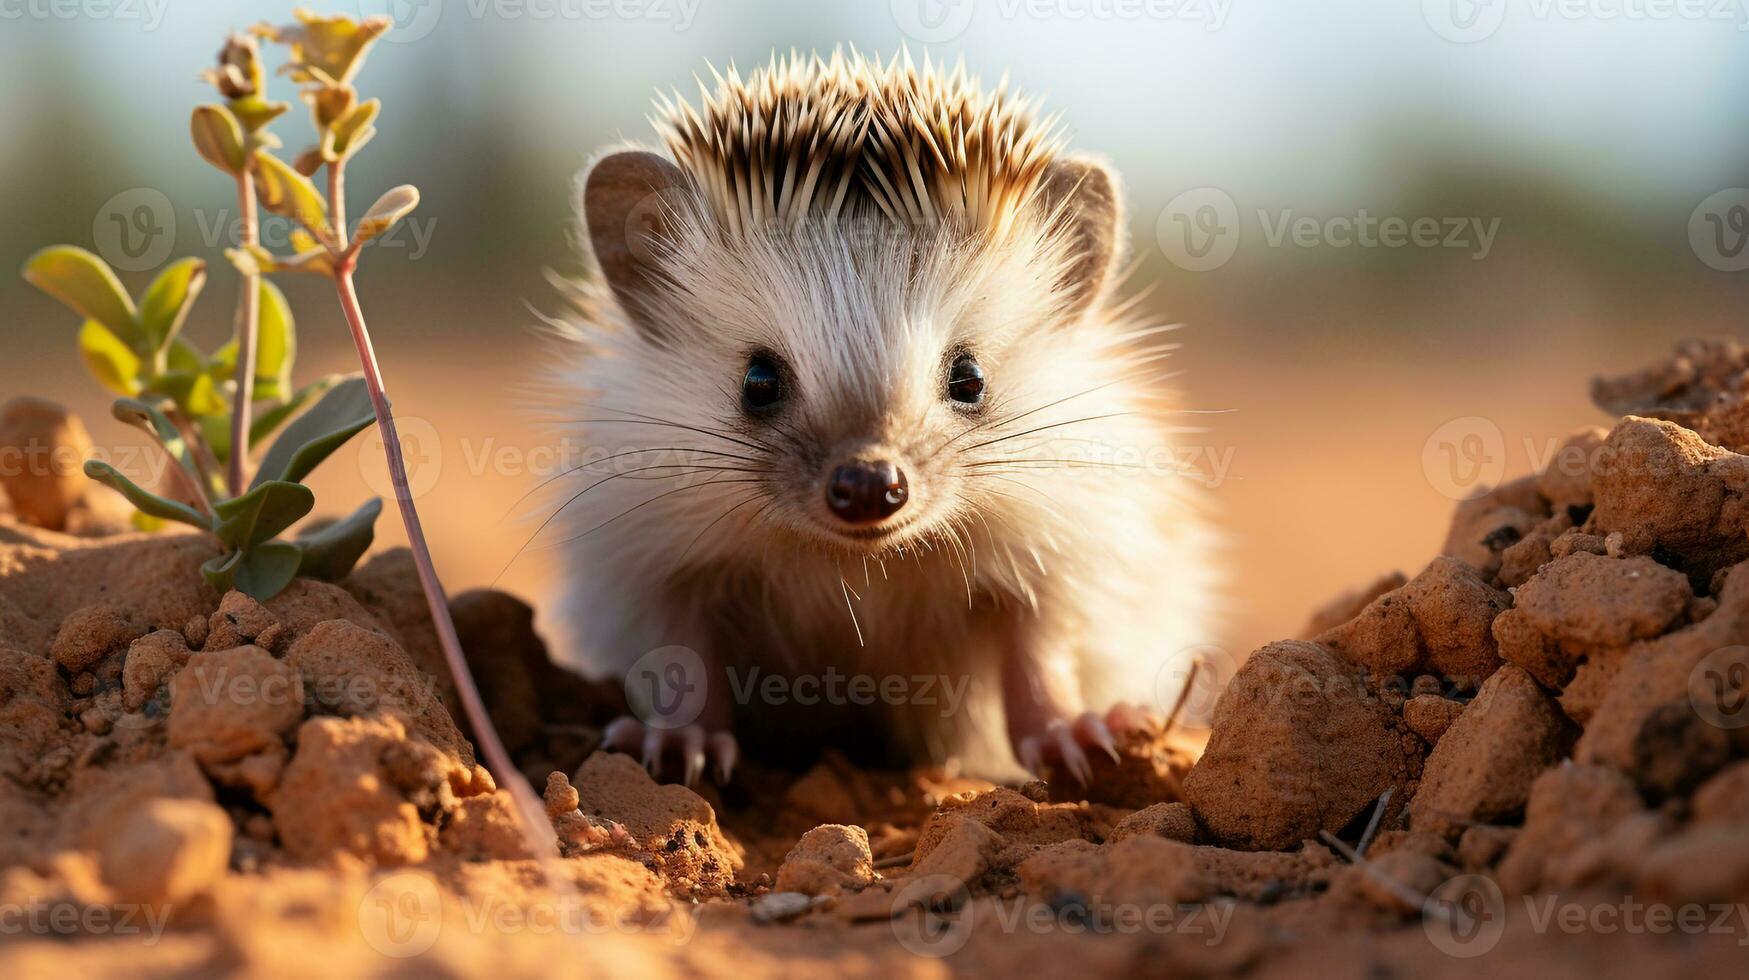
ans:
(1378, 815)
(1402, 892)
(248, 330)
(893, 861)
(1183, 697)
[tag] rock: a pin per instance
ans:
(1705, 865)
(1140, 872)
(1724, 799)
(228, 704)
(1482, 845)
(352, 670)
(1568, 807)
(1024, 825)
(1484, 527)
(336, 797)
(238, 621)
(1350, 604)
(1298, 746)
(1483, 766)
(44, 449)
(1653, 724)
(1149, 769)
(675, 830)
(1173, 821)
(33, 702)
(1585, 605)
(151, 661)
(1438, 622)
(89, 635)
(1520, 561)
(1399, 882)
(964, 853)
(1666, 490)
(1566, 481)
(826, 861)
(169, 851)
(483, 828)
(1429, 715)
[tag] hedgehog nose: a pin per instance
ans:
(866, 492)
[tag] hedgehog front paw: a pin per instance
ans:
(694, 745)
(1050, 743)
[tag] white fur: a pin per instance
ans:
(1103, 574)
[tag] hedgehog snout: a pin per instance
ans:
(866, 491)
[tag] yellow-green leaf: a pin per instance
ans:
(290, 194)
(85, 283)
(218, 137)
(167, 301)
(347, 130)
(114, 364)
(390, 208)
(276, 345)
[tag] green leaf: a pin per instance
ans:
(332, 550)
(290, 194)
(276, 345)
(350, 134)
(195, 394)
(183, 356)
(167, 301)
(218, 138)
(114, 363)
(341, 414)
(85, 283)
(266, 423)
(267, 569)
(262, 513)
(254, 112)
(150, 420)
(390, 208)
(148, 503)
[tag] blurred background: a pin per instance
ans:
(1390, 227)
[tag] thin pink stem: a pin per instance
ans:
(248, 328)
(497, 759)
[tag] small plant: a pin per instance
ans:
(177, 395)
(201, 409)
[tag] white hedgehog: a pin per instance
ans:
(870, 422)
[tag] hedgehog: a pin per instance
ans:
(880, 461)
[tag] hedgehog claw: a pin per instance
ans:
(691, 743)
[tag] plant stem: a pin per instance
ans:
(248, 327)
(497, 759)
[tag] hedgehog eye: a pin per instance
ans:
(965, 380)
(762, 385)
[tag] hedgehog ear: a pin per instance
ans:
(629, 199)
(1080, 194)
